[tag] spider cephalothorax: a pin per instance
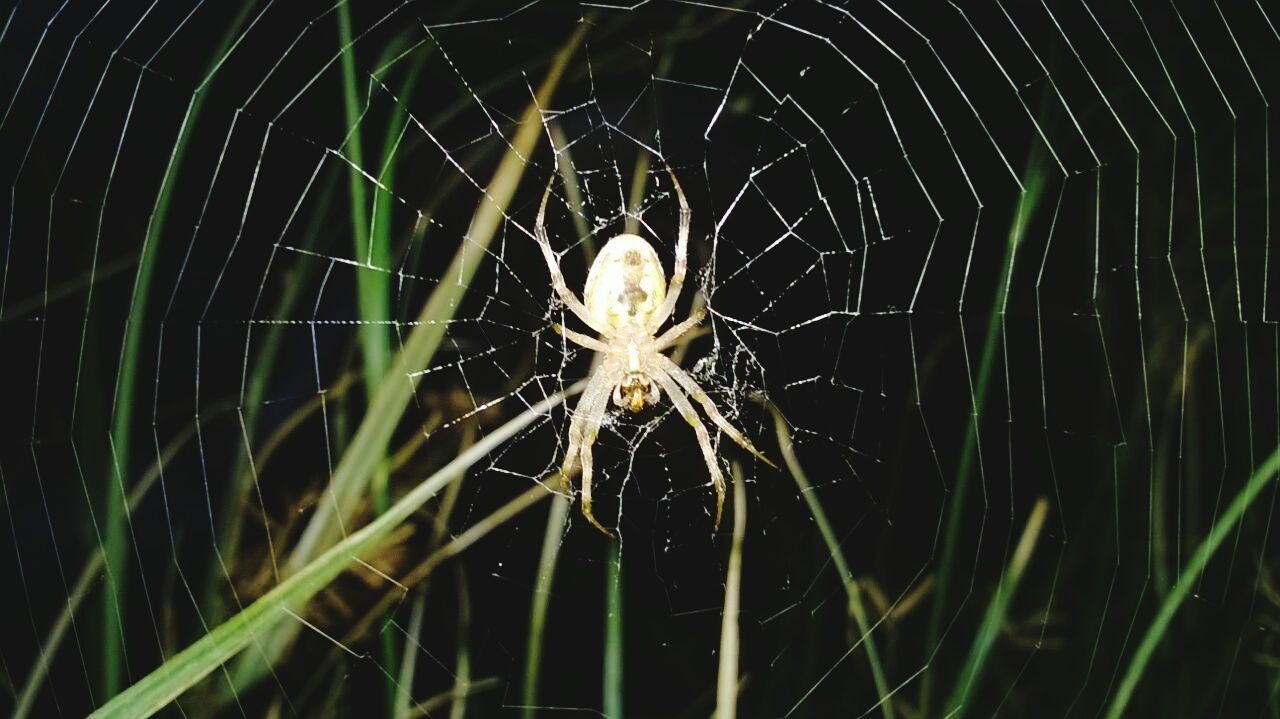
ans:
(626, 300)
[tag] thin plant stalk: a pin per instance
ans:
(572, 191)
(855, 607)
(456, 546)
(727, 677)
(451, 696)
(409, 660)
(557, 516)
(462, 664)
(613, 635)
(997, 611)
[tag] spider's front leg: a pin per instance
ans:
(570, 300)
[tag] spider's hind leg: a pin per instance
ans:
(586, 482)
(683, 406)
(587, 418)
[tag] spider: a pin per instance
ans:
(626, 301)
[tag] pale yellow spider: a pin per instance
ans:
(626, 302)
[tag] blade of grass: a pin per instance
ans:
(855, 608)
(369, 443)
(727, 677)
(1033, 188)
(372, 246)
(40, 301)
(462, 671)
(183, 670)
(372, 250)
(368, 446)
(409, 662)
(1261, 477)
(92, 570)
(115, 500)
(634, 200)
(572, 191)
(451, 696)
(613, 631)
(456, 546)
(232, 514)
(557, 515)
(997, 610)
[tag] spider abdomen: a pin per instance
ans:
(626, 285)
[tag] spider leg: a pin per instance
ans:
(590, 343)
(672, 335)
(587, 418)
(553, 264)
(704, 439)
(682, 259)
(595, 384)
(695, 391)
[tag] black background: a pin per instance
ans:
(1127, 373)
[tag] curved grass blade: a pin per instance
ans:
(351, 476)
(853, 592)
(997, 610)
(1262, 476)
(367, 447)
(120, 435)
(168, 681)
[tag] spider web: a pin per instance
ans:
(997, 279)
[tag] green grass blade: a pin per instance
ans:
(409, 662)
(551, 539)
(367, 447)
(1033, 189)
(462, 664)
(997, 610)
(373, 288)
(168, 681)
(727, 676)
(613, 631)
(373, 292)
(115, 495)
(853, 592)
(1265, 474)
(351, 476)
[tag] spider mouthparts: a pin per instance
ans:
(634, 392)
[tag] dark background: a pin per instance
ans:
(853, 202)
